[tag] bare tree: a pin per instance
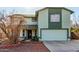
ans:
(11, 28)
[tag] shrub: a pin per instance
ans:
(35, 38)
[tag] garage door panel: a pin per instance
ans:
(54, 34)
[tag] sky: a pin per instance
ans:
(21, 10)
(31, 10)
(75, 15)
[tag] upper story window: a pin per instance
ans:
(55, 17)
(34, 19)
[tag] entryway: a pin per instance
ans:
(29, 32)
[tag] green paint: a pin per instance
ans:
(68, 33)
(55, 8)
(65, 19)
(54, 25)
(42, 20)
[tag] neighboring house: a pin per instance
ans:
(49, 24)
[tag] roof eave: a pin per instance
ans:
(55, 7)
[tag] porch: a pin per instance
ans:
(28, 32)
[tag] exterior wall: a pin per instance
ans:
(54, 25)
(28, 21)
(42, 20)
(59, 30)
(16, 19)
(54, 35)
(65, 19)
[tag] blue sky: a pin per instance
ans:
(31, 10)
(76, 11)
(22, 10)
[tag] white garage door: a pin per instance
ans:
(54, 35)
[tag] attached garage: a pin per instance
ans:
(54, 35)
(54, 24)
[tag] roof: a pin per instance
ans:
(24, 15)
(56, 8)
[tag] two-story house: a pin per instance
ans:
(49, 24)
(54, 23)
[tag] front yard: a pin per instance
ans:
(24, 47)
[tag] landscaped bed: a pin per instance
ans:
(24, 47)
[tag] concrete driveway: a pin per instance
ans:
(62, 46)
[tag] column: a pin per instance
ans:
(21, 33)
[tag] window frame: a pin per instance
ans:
(34, 19)
(54, 20)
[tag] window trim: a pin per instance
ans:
(34, 19)
(51, 20)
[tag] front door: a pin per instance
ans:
(29, 34)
